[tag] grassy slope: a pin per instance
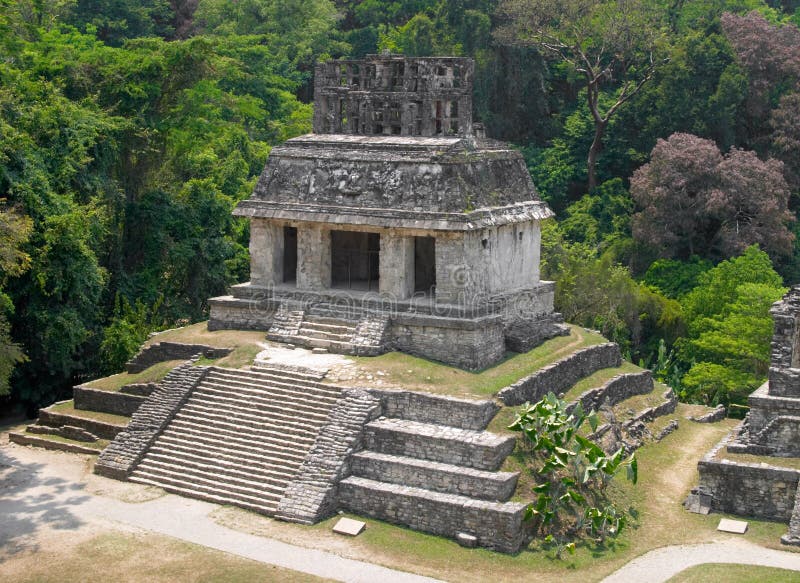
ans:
(153, 374)
(68, 408)
(418, 374)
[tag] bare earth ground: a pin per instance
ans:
(59, 522)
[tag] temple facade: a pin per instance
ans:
(395, 225)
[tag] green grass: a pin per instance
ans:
(599, 378)
(781, 462)
(735, 574)
(241, 356)
(68, 408)
(200, 334)
(419, 374)
(140, 557)
(153, 374)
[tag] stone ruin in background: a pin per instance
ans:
(771, 429)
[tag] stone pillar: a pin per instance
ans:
(266, 253)
(313, 257)
(397, 265)
(453, 274)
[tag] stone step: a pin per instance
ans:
(434, 476)
(207, 412)
(272, 414)
(320, 315)
(463, 447)
(259, 403)
(285, 457)
(223, 463)
(265, 368)
(52, 444)
(265, 437)
(239, 482)
(331, 328)
(324, 335)
(257, 388)
(335, 346)
(496, 525)
(82, 419)
(209, 494)
(266, 381)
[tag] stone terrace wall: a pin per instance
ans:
(466, 344)
(117, 403)
(749, 489)
(497, 526)
(451, 411)
(162, 351)
(311, 496)
(560, 376)
(122, 455)
(616, 390)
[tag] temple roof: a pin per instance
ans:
(451, 180)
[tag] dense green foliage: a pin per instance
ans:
(128, 131)
(571, 472)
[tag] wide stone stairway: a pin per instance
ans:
(439, 477)
(241, 436)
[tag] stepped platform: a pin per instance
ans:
(240, 436)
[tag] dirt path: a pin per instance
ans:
(661, 564)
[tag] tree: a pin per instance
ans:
(694, 200)
(785, 137)
(615, 43)
(14, 232)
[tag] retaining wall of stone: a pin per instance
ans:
(746, 489)
(495, 486)
(497, 526)
(560, 376)
(117, 403)
(467, 344)
(163, 351)
(122, 455)
(232, 313)
(440, 409)
(98, 428)
(616, 390)
(311, 496)
(479, 451)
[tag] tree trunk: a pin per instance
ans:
(594, 151)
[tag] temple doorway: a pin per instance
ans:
(355, 260)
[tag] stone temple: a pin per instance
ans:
(747, 473)
(396, 225)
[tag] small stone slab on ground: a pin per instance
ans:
(349, 526)
(734, 526)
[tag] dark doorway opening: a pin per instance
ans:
(425, 265)
(290, 255)
(355, 260)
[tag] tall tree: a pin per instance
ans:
(614, 45)
(694, 200)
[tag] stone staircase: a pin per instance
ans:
(240, 437)
(437, 478)
(320, 327)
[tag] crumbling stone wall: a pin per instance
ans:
(117, 403)
(616, 390)
(163, 351)
(425, 408)
(560, 376)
